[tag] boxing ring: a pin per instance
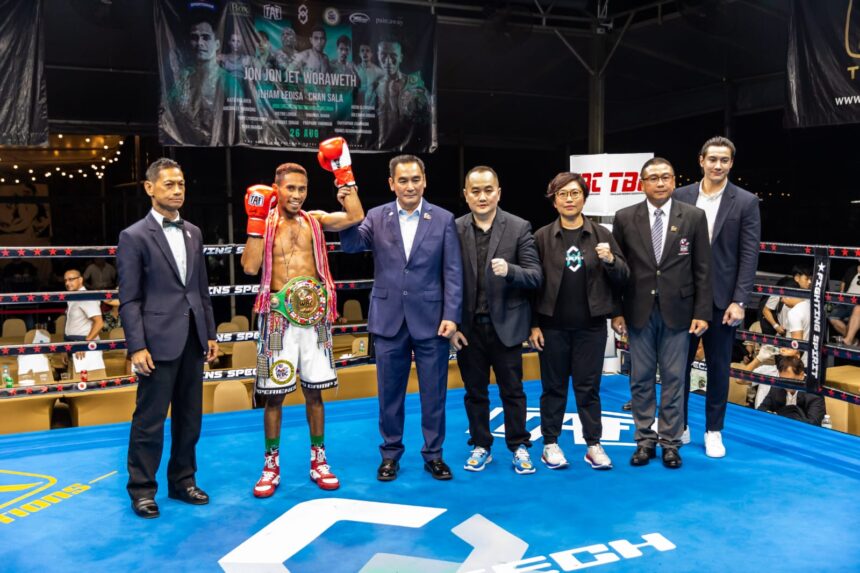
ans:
(783, 498)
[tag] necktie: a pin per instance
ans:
(178, 223)
(657, 235)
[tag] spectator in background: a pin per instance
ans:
(83, 317)
(846, 319)
(793, 404)
(100, 275)
(774, 312)
(110, 315)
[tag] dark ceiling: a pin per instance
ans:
(510, 73)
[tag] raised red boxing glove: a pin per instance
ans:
(334, 156)
(259, 200)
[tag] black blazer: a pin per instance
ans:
(811, 407)
(154, 304)
(511, 239)
(682, 278)
(735, 247)
(604, 282)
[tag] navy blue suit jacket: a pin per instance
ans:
(735, 244)
(423, 291)
(154, 304)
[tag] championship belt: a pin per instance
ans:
(302, 301)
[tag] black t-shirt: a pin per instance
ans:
(571, 307)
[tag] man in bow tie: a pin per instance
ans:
(170, 330)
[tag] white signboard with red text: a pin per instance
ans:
(613, 180)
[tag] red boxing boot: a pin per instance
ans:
(268, 482)
(320, 471)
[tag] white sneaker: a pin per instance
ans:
(714, 447)
(597, 458)
(553, 457)
(685, 437)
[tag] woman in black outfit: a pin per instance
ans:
(584, 273)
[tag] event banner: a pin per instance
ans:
(613, 180)
(23, 96)
(824, 63)
(290, 74)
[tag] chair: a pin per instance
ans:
(242, 322)
(227, 347)
(14, 328)
(352, 311)
(359, 346)
(244, 354)
(60, 326)
(229, 396)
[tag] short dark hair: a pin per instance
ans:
(564, 178)
(318, 28)
(285, 169)
(801, 270)
(479, 169)
(793, 363)
(156, 167)
(718, 141)
(655, 161)
(344, 39)
(403, 159)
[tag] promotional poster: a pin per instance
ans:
(290, 74)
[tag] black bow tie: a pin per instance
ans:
(178, 223)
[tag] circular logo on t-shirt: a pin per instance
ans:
(573, 258)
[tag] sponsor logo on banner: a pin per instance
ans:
(331, 16)
(359, 18)
(613, 180)
(24, 494)
(494, 549)
(303, 14)
(618, 427)
(853, 51)
(239, 9)
(273, 12)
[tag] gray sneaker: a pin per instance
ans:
(597, 458)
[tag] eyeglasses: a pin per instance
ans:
(565, 195)
(666, 178)
(69, 279)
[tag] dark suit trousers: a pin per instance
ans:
(653, 345)
(178, 382)
(577, 353)
(485, 350)
(718, 341)
(393, 360)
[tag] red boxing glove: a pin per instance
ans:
(334, 156)
(259, 200)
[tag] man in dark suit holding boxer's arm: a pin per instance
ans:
(170, 330)
(667, 298)
(415, 306)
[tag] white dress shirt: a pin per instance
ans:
(710, 204)
(409, 225)
(176, 242)
(666, 208)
